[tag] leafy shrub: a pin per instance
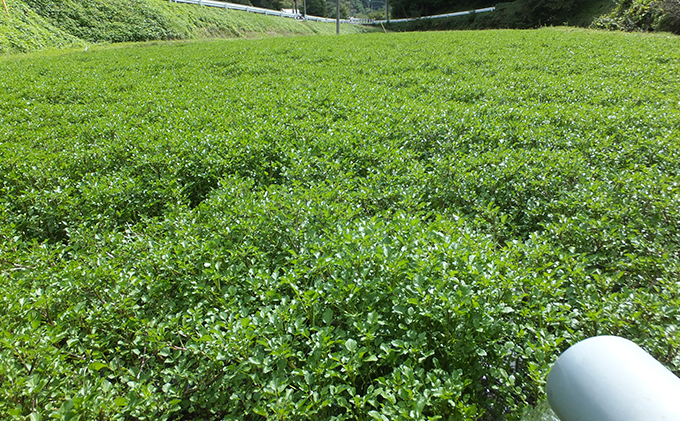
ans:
(643, 15)
(669, 21)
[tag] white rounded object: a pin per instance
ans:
(607, 378)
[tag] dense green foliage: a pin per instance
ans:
(23, 30)
(267, 4)
(317, 7)
(39, 24)
(643, 15)
(142, 20)
(189, 231)
(110, 20)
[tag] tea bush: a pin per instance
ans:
(416, 231)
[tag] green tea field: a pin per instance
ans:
(363, 227)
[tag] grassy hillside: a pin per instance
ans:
(38, 24)
(384, 226)
(24, 30)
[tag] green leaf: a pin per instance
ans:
(378, 416)
(351, 345)
(96, 366)
(327, 316)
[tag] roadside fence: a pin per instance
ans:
(446, 15)
(298, 16)
(269, 12)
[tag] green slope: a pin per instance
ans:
(39, 24)
(23, 30)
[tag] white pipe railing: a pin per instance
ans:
(269, 12)
(445, 15)
(355, 21)
(607, 378)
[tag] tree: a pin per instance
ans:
(551, 11)
(417, 8)
(316, 7)
(669, 17)
(331, 6)
(267, 4)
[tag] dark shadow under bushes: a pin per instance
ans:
(520, 14)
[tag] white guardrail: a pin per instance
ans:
(446, 15)
(269, 12)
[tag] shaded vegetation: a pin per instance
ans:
(520, 14)
(627, 15)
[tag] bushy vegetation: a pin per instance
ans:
(386, 227)
(113, 21)
(39, 24)
(143, 20)
(643, 15)
(22, 30)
